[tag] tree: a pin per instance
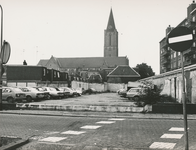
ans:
(144, 70)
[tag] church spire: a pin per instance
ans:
(111, 38)
(111, 24)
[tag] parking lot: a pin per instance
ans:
(101, 99)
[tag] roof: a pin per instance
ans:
(123, 71)
(42, 62)
(111, 24)
(88, 62)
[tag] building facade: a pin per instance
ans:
(171, 60)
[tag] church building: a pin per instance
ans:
(92, 65)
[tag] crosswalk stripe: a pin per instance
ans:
(90, 127)
(105, 122)
(162, 145)
(172, 136)
(117, 119)
(52, 139)
(73, 132)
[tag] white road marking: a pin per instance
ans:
(162, 145)
(116, 119)
(90, 127)
(105, 122)
(176, 129)
(172, 136)
(73, 132)
(52, 139)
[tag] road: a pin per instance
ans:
(85, 133)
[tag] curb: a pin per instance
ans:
(99, 114)
(15, 145)
(92, 108)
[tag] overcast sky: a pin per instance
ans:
(38, 29)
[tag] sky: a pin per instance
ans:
(39, 29)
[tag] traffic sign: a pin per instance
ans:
(180, 39)
(5, 52)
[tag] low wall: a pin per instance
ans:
(112, 87)
(173, 108)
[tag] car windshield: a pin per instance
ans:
(24, 89)
(17, 90)
(33, 89)
(135, 90)
(41, 89)
(52, 89)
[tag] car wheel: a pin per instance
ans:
(129, 98)
(136, 98)
(29, 99)
(10, 100)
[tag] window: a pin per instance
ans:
(193, 19)
(174, 54)
(174, 64)
(194, 45)
(110, 39)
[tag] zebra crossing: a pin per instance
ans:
(170, 135)
(99, 124)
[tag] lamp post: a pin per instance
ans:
(1, 57)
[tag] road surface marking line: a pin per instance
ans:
(172, 136)
(116, 119)
(162, 145)
(176, 129)
(52, 139)
(105, 122)
(73, 132)
(90, 127)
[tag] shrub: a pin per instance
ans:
(150, 94)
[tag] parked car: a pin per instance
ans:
(54, 92)
(78, 91)
(32, 93)
(90, 91)
(46, 93)
(68, 92)
(122, 92)
(12, 95)
(134, 93)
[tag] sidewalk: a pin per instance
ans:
(99, 114)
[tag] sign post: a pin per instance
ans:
(181, 39)
(4, 55)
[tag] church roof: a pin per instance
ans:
(123, 71)
(88, 62)
(42, 62)
(111, 24)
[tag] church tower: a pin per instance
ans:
(111, 38)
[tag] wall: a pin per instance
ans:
(98, 87)
(171, 83)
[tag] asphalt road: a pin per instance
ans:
(85, 133)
